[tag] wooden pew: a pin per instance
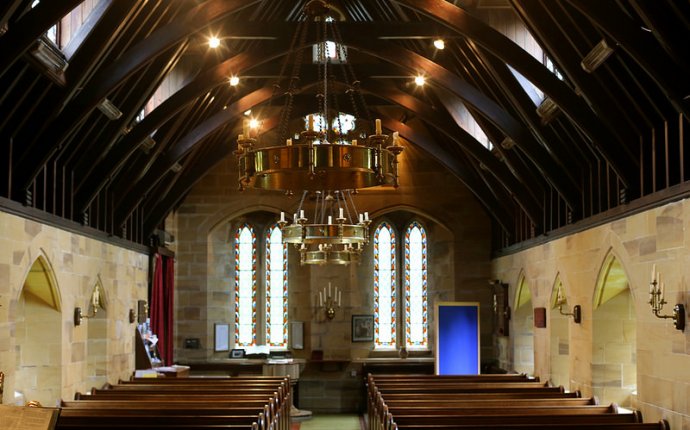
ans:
(662, 425)
(243, 403)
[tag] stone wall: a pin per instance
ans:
(661, 353)
(459, 252)
(75, 263)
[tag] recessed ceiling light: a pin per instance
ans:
(439, 44)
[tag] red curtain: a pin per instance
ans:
(162, 306)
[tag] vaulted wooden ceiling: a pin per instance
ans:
(616, 140)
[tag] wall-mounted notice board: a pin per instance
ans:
(457, 338)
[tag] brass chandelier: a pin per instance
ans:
(327, 163)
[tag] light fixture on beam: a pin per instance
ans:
(49, 55)
(596, 57)
(547, 110)
(147, 144)
(109, 109)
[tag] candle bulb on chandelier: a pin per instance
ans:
(366, 216)
(310, 121)
(653, 272)
(301, 213)
(330, 219)
(378, 126)
(288, 142)
(354, 142)
(395, 137)
(339, 297)
(282, 216)
(340, 212)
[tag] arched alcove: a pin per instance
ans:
(559, 334)
(614, 366)
(523, 327)
(38, 373)
(97, 338)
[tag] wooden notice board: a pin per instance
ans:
(457, 338)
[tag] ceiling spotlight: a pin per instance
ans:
(419, 80)
(247, 112)
(214, 42)
(234, 81)
(439, 44)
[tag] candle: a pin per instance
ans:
(310, 120)
(378, 126)
(245, 127)
(288, 142)
(661, 291)
(301, 213)
(320, 298)
(395, 138)
(329, 289)
(240, 137)
(282, 216)
(339, 297)
(354, 142)
(366, 216)
(653, 271)
(294, 217)
(340, 213)
(330, 219)
(361, 217)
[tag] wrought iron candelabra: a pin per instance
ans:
(657, 302)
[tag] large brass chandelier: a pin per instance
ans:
(326, 161)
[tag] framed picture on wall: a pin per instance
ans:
(362, 328)
(222, 337)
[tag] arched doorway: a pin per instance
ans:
(614, 366)
(38, 374)
(523, 325)
(97, 339)
(559, 337)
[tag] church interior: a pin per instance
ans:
(230, 188)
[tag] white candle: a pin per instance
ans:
(282, 216)
(361, 217)
(661, 290)
(340, 213)
(339, 297)
(653, 271)
(329, 289)
(366, 216)
(378, 126)
(301, 213)
(320, 298)
(395, 137)
(330, 219)
(240, 137)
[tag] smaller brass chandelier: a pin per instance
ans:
(336, 233)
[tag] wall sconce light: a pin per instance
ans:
(657, 301)
(577, 310)
(329, 299)
(132, 316)
(95, 302)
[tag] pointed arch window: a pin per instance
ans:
(416, 330)
(245, 286)
(384, 286)
(276, 288)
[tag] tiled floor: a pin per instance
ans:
(331, 422)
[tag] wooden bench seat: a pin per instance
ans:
(504, 410)
(662, 425)
(446, 402)
(414, 419)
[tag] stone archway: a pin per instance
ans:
(559, 334)
(614, 337)
(38, 335)
(523, 327)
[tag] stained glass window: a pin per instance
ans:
(416, 330)
(384, 286)
(276, 288)
(245, 286)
